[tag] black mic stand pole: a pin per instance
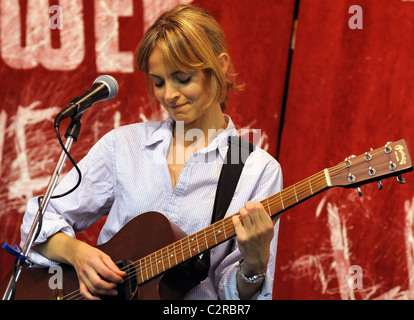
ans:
(72, 134)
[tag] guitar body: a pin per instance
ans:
(143, 235)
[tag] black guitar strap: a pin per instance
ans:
(237, 154)
(191, 273)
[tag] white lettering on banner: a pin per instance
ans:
(41, 19)
(25, 166)
(38, 48)
(107, 12)
(108, 56)
(23, 187)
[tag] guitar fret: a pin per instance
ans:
(230, 232)
(294, 189)
(281, 200)
(140, 269)
(189, 247)
(310, 185)
(151, 265)
(182, 251)
(224, 228)
(168, 257)
(156, 262)
(214, 232)
(146, 268)
(205, 236)
(268, 207)
(159, 261)
(174, 254)
(198, 247)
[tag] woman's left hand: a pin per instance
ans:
(254, 229)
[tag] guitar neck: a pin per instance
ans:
(222, 230)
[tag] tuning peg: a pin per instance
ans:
(388, 148)
(379, 185)
(359, 191)
(400, 179)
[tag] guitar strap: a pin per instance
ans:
(191, 273)
(237, 154)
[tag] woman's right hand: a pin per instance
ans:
(90, 263)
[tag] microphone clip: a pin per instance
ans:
(74, 127)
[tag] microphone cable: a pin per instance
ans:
(75, 165)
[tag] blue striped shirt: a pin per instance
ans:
(126, 173)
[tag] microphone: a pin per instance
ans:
(104, 88)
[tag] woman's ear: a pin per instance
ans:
(224, 60)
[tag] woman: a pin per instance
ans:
(170, 167)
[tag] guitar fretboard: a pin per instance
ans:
(186, 248)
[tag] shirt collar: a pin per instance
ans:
(161, 133)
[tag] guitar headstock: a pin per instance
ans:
(393, 159)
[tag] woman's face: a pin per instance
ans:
(183, 95)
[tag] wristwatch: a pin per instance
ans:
(250, 280)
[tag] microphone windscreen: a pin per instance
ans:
(110, 83)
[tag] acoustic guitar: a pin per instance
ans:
(149, 247)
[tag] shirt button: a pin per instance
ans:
(175, 201)
(172, 216)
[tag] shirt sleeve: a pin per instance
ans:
(269, 183)
(81, 208)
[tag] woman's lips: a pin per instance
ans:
(178, 106)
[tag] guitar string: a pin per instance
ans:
(298, 190)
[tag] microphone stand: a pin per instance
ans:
(71, 134)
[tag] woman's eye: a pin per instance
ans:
(184, 80)
(159, 84)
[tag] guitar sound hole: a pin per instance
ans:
(129, 289)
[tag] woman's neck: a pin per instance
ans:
(200, 132)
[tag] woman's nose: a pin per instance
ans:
(171, 93)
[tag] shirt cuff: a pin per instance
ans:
(229, 291)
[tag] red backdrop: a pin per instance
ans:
(348, 91)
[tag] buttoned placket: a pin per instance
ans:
(180, 189)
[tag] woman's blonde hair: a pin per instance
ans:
(190, 39)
